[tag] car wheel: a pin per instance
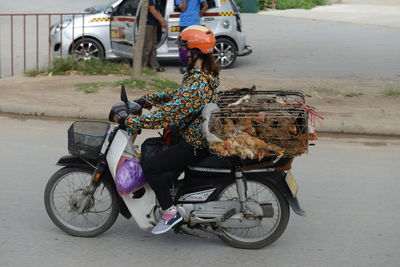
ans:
(225, 53)
(87, 48)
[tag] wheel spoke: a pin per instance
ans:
(64, 207)
(93, 52)
(66, 191)
(259, 193)
(228, 48)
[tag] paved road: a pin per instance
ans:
(306, 49)
(283, 47)
(349, 188)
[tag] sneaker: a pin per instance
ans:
(169, 219)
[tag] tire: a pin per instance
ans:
(282, 207)
(87, 48)
(52, 194)
(225, 53)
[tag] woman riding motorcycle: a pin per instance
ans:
(179, 108)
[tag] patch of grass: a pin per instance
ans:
(288, 4)
(148, 72)
(132, 83)
(96, 67)
(392, 92)
(163, 84)
(34, 73)
(154, 84)
(91, 87)
(63, 66)
(353, 94)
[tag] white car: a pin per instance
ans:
(109, 31)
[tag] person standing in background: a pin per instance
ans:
(191, 12)
(150, 39)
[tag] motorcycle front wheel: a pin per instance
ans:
(270, 228)
(62, 198)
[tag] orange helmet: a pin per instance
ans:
(199, 37)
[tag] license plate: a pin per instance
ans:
(291, 182)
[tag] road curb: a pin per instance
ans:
(329, 125)
(56, 112)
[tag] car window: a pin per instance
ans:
(110, 2)
(211, 3)
(127, 8)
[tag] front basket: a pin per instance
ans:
(85, 138)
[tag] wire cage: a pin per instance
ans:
(258, 124)
(85, 138)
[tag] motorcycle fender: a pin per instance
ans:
(291, 194)
(295, 205)
(72, 161)
(286, 183)
(141, 208)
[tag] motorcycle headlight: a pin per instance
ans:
(63, 25)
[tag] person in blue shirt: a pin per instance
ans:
(191, 12)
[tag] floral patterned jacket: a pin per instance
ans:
(177, 107)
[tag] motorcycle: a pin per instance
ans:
(244, 203)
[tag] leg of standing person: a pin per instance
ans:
(153, 61)
(147, 45)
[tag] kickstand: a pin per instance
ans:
(183, 230)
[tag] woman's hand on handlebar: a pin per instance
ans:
(118, 113)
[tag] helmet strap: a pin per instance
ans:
(194, 56)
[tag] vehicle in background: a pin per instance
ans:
(107, 31)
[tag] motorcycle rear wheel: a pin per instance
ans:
(270, 229)
(61, 198)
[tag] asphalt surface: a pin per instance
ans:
(308, 49)
(348, 186)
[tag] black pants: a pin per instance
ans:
(159, 169)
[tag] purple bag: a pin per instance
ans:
(129, 177)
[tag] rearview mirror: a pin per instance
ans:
(124, 97)
(108, 10)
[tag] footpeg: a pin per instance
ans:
(227, 215)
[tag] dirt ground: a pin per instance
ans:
(371, 112)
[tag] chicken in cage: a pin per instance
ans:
(256, 124)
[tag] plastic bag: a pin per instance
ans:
(206, 114)
(129, 177)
